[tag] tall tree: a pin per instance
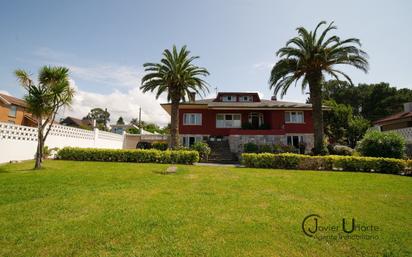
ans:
(120, 121)
(102, 117)
(177, 76)
(45, 99)
(307, 58)
(371, 101)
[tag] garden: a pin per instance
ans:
(73, 208)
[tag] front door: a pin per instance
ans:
(255, 121)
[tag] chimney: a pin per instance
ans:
(192, 96)
(407, 107)
(273, 98)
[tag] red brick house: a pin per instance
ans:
(238, 118)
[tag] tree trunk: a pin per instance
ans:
(315, 88)
(39, 152)
(174, 122)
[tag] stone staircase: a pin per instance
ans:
(221, 152)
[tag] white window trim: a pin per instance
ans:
(190, 124)
(301, 138)
(198, 138)
(295, 122)
(15, 111)
(232, 119)
(233, 98)
(250, 98)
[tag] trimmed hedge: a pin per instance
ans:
(331, 162)
(123, 155)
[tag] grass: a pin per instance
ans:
(126, 209)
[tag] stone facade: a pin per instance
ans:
(236, 142)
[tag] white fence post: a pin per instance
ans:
(96, 136)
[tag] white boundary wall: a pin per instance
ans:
(20, 142)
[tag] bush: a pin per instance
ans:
(250, 148)
(124, 155)
(265, 148)
(203, 149)
(288, 149)
(144, 145)
(378, 144)
(162, 146)
(331, 162)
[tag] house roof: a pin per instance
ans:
(263, 104)
(123, 126)
(7, 99)
(78, 122)
(393, 117)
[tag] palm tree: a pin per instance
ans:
(45, 99)
(308, 57)
(176, 76)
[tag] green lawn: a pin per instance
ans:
(126, 209)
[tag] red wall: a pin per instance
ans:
(274, 118)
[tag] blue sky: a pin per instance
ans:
(105, 43)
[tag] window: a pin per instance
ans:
(192, 119)
(229, 98)
(294, 117)
(13, 111)
(188, 141)
(294, 140)
(228, 120)
(246, 98)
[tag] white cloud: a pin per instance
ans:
(123, 103)
(4, 92)
(118, 75)
(119, 104)
(263, 65)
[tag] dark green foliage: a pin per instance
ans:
(177, 77)
(123, 155)
(337, 121)
(307, 58)
(162, 146)
(344, 163)
(357, 128)
(144, 145)
(250, 148)
(102, 117)
(133, 131)
(45, 99)
(120, 121)
(203, 149)
(379, 144)
(265, 148)
(371, 101)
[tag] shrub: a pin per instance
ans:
(203, 149)
(378, 144)
(289, 149)
(265, 148)
(125, 155)
(250, 148)
(144, 145)
(331, 162)
(162, 146)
